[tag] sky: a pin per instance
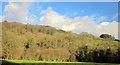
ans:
(92, 17)
(60, 0)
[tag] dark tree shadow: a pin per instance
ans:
(4, 62)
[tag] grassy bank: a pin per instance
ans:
(32, 62)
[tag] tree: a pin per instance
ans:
(72, 58)
(29, 43)
(83, 54)
(108, 55)
(107, 36)
(102, 56)
(118, 55)
(5, 21)
(95, 56)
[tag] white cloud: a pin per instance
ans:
(110, 28)
(51, 18)
(0, 18)
(78, 24)
(17, 11)
(104, 23)
(102, 18)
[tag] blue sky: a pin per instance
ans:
(62, 0)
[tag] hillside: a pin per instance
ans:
(37, 42)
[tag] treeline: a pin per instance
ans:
(101, 56)
(45, 43)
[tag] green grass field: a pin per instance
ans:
(31, 62)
